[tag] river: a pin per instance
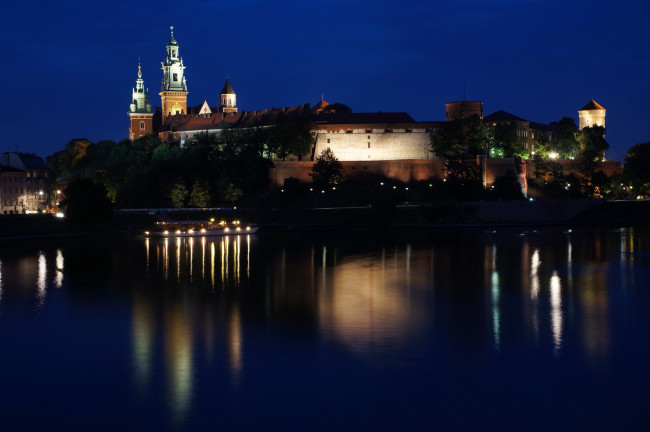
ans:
(464, 329)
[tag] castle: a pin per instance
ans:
(353, 137)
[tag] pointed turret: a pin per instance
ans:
(173, 93)
(140, 109)
(228, 98)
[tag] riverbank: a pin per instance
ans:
(17, 229)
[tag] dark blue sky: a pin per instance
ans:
(71, 64)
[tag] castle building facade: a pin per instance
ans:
(352, 137)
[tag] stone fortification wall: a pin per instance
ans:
(361, 145)
(492, 169)
(573, 166)
(402, 170)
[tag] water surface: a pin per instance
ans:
(515, 329)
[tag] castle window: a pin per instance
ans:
(175, 77)
(141, 125)
(328, 140)
(368, 136)
(368, 145)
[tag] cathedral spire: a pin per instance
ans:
(140, 109)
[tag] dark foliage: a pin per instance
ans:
(86, 202)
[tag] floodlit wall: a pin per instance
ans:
(360, 145)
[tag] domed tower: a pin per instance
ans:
(173, 94)
(592, 114)
(140, 110)
(228, 98)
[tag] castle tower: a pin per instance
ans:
(228, 98)
(592, 114)
(140, 110)
(173, 94)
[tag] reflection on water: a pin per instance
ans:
(556, 311)
(195, 304)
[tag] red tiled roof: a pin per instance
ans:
(593, 105)
(219, 120)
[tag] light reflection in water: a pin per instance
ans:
(535, 262)
(534, 276)
(556, 311)
(235, 344)
(366, 307)
(179, 362)
(203, 259)
(143, 339)
(58, 279)
(496, 315)
(191, 246)
(166, 259)
(41, 283)
(178, 258)
(213, 257)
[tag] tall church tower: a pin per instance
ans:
(140, 110)
(228, 98)
(173, 94)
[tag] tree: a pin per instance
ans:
(461, 138)
(565, 141)
(506, 141)
(178, 195)
(86, 202)
(200, 195)
(637, 163)
(593, 147)
(328, 170)
(336, 108)
(507, 187)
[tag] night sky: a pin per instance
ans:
(71, 65)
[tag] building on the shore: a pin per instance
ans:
(36, 186)
(12, 190)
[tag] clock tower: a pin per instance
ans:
(140, 110)
(173, 93)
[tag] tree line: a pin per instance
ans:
(207, 170)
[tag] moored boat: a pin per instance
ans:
(197, 228)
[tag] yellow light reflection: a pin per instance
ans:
(147, 246)
(58, 278)
(366, 307)
(179, 360)
(191, 245)
(556, 311)
(235, 344)
(143, 339)
(166, 259)
(178, 259)
(203, 258)
(248, 257)
(213, 257)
